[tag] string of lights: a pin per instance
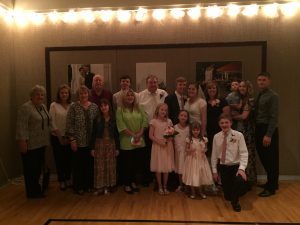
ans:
(269, 10)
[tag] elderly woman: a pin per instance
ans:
(196, 106)
(61, 147)
(33, 132)
(80, 119)
(131, 121)
(215, 107)
(243, 122)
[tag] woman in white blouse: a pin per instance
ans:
(61, 147)
(196, 106)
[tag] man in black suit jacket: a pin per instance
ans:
(88, 76)
(175, 103)
(176, 100)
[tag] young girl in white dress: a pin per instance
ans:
(196, 172)
(179, 144)
(162, 152)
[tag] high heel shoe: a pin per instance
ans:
(128, 190)
(166, 191)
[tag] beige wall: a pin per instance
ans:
(282, 36)
(9, 157)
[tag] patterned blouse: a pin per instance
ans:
(80, 123)
(33, 125)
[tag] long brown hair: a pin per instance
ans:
(249, 94)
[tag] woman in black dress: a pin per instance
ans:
(215, 107)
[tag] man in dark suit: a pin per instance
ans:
(88, 76)
(176, 100)
(176, 103)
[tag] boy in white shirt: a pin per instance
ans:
(230, 149)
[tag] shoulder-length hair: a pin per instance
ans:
(135, 105)
(104, 101)
(195, 125)
(208, 85)
(63, 86)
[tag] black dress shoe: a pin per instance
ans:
(262, 185)
(79, 192)
(266, 193)
(236, 206)
(135, 189)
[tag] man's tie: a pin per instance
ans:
(224, 146)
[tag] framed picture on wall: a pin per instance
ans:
(223, 72)
(82, 74)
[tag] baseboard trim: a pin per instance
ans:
(281, 177)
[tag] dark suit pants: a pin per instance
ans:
(233, 186)
(269, 156)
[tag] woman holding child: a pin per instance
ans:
(243, 123)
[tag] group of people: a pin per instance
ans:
(104, 139)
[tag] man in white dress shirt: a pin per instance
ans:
(149, 99)
(230, 149)
(152, 96)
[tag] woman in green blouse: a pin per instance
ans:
(131, 121)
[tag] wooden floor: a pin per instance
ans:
(284, 207)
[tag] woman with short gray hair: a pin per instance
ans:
(33, 132)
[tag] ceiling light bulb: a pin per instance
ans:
(20, 18)
(250, 10)
(106, 15)
(123, 15)
(289, 9)
(54, 16)
(177, 13)
(36, 18)
(141, 14)
(70, 17)
(233, 10)
(195, 12)
(87, 16)
(214, 11)
(159, 14)
(271, 10)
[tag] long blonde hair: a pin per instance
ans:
(157, 109)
